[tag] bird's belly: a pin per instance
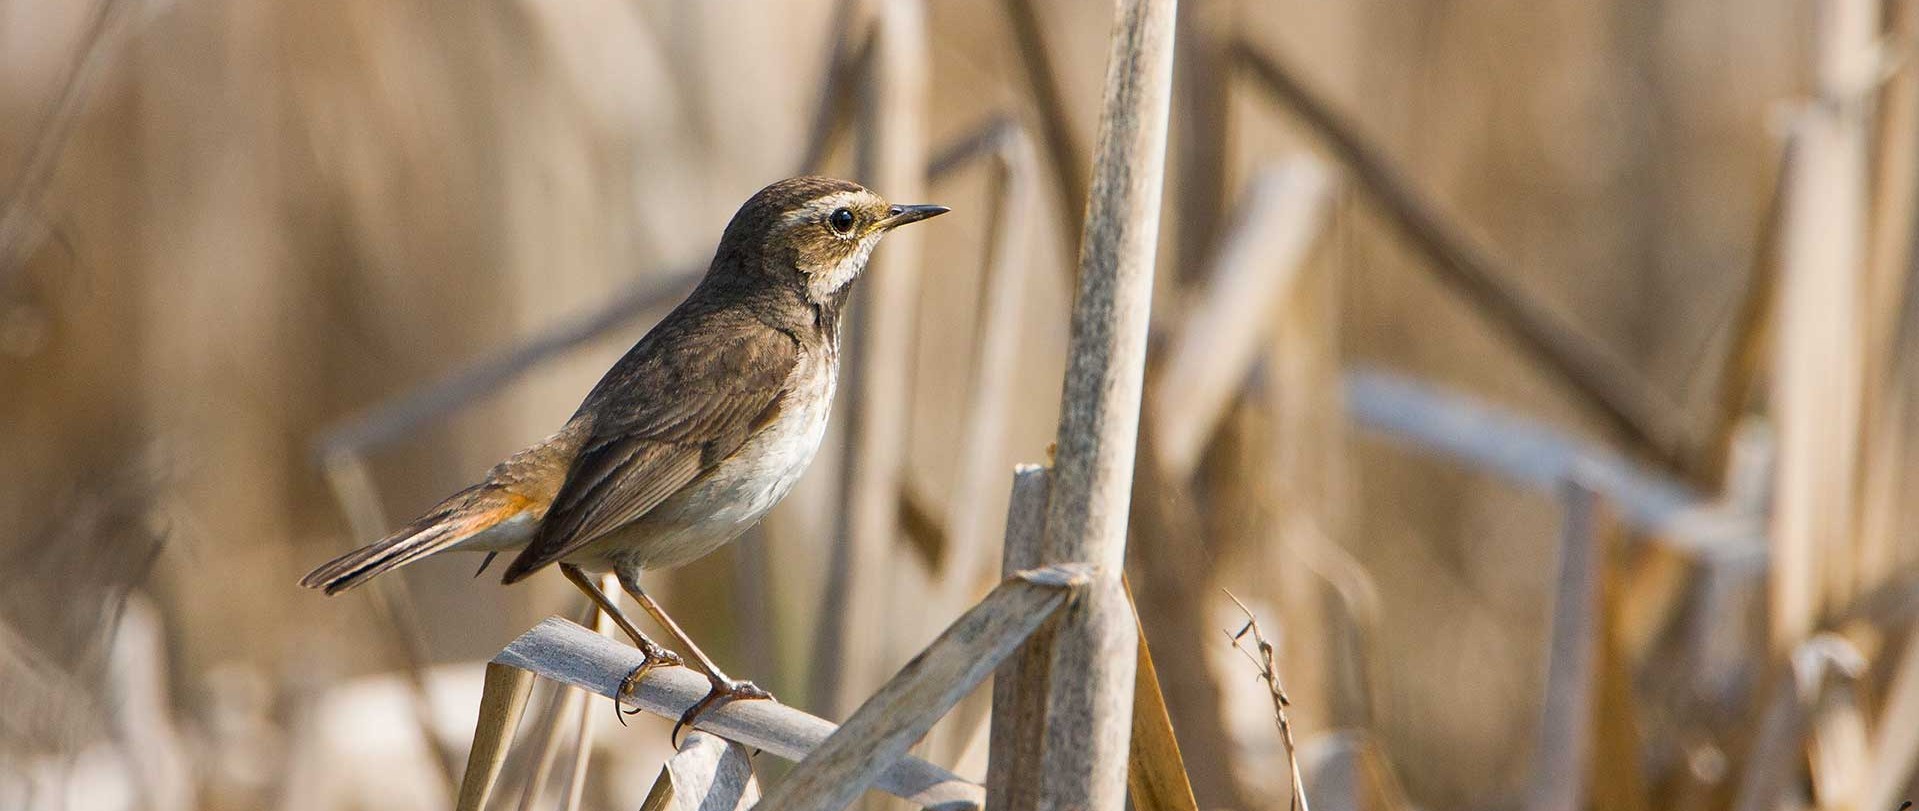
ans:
(737, 493)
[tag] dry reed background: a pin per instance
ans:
(231, 227)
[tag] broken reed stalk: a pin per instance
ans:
(1261, 655)
(893, 158)
(1019, 686)
(141, 714)
(1819, 376)
(564, 652)
(1839, 749)
(906, 707)
(1617, 390)
(709, 773)
(1089, 698)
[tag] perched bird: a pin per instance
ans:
(695, 434)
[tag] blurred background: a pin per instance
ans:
(1536, 371)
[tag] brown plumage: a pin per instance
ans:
(694, 434)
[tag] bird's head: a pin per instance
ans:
(817, 232)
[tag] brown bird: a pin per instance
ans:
(695, 434)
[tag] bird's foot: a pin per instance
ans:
(724, 690)
(656, 657)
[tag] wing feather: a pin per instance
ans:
(670, 411)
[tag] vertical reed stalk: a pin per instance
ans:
(1089, 699)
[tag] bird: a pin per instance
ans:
(693, 435)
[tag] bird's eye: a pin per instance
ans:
(842, 220)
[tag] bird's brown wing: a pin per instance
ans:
(674, 407)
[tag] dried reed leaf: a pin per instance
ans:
(502, 700)
(1155, 770)
(709, 773)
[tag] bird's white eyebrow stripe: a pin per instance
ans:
(819, 207)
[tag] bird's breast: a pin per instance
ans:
(740, 490)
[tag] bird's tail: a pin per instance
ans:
(466, 514)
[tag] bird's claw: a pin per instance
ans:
(656, 657)
(723, 691)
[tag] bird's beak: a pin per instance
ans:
(901, 215)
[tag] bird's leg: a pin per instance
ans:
(724, 687)
(655, 656)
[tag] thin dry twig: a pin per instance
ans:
(1260, 653)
